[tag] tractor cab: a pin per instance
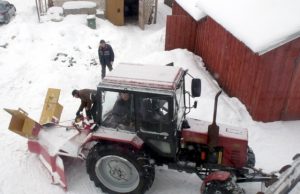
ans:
(146, 100)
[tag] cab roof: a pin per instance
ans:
(143, 77)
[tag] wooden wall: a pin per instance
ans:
(269, 85)
(181, 33)
(265, 84)
(180, 30)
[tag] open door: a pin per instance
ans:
(114, 11)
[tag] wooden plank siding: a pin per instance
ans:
(268, 84)
(260, 82)
(178, 10)
(180, 30)
(292, 108)
(181, 33)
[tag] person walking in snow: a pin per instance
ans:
(106, 57)
(88, 102)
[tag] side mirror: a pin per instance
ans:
(196, 87)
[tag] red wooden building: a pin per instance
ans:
(265, 79)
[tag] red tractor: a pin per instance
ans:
(142, 122)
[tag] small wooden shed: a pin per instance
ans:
(120, 11)
(262, 70)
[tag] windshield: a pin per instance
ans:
(118, 110)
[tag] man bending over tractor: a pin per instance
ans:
(88, 102)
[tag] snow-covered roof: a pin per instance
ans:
(192, 8)
(143, 76)
(261, 25)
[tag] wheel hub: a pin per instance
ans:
(117, 174)
(117, 171)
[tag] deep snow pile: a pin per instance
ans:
(62, 55)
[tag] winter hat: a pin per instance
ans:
(102, 41)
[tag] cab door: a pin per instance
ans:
(154, 123)
(114, 11)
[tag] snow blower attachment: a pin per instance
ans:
(23, 125)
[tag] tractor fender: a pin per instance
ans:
(116, 137)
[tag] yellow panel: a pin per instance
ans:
(58, 111)
(20, 123)
(28, 127)
(51, 106)
(52, 95)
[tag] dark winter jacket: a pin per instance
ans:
(106, 54)
(87, 98)
(121, 111)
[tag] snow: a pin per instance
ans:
(91, 17)
(147, 76)
(61, 55)
(261, 25)
(192, 8)
(79, 4)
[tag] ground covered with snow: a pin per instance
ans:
(35, 56)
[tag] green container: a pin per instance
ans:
(91, 21)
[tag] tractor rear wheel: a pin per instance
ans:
(118, 169)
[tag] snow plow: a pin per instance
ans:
(148, 128)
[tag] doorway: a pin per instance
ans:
(131, 11)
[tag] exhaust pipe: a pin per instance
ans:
(213, 129)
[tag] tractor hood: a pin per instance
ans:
(233, 140)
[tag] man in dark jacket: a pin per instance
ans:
(106, 57)
(88, 101)
(120, 113)
(121, 109)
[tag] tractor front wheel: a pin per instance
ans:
(118, 169)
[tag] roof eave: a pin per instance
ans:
(279, 43)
